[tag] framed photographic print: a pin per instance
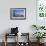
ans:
(17, 13)
(41, 12)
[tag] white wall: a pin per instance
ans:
(24, 25)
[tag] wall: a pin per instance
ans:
(24, 25)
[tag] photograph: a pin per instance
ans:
(17, 13)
